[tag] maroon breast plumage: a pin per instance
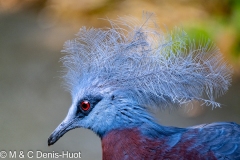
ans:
(131, 144)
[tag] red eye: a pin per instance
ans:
(85, 105)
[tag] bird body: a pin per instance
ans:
(206, 142)
(117, 75)
(130, 144)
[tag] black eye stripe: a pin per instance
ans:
(82, 106)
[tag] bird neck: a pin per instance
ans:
(123, 141)
(133, 117)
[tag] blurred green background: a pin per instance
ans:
(32, 100)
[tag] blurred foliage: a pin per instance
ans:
(213, 19)
(225, 20)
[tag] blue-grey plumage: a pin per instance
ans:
(169, 68)
(115, 75)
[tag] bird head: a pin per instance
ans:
(101, 112)
(116, 74)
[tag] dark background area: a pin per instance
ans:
(32, 99)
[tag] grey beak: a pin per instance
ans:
(63, 128)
